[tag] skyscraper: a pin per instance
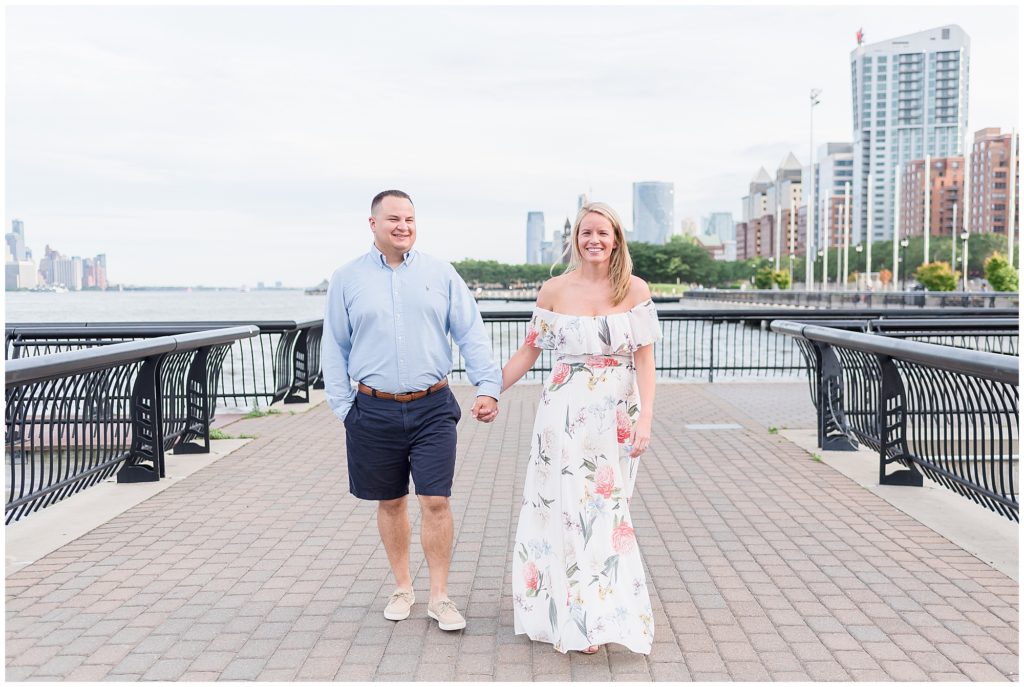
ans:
(653, 211)
(721, 224)
(16, 241)
(994, 198)
(534, 237)
(909, 101)
(755, 203)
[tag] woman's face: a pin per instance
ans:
(596, 238)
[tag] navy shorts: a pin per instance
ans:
(386, 441)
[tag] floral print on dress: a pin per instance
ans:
(578, 577)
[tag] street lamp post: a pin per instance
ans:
(903, 244)
(860, 249)
(809, 270)
(953, 235)
(964, 235)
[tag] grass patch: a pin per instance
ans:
(216, 434)
(259, 412)
(668, 289)
(815, 457)
(773, 430)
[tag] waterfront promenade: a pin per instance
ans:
(764, 564)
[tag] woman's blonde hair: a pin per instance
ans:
(621, 268)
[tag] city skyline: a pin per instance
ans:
(206, 149)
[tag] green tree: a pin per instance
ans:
(781, 277)
(764, 277)
(936, 276)
(1001, 275)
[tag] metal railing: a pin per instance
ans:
(946, 413)
(73, 418)
(281, 364)
(859, 299)
(728, 344)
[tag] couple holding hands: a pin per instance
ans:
(577, 577)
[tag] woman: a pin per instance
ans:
(577, 577)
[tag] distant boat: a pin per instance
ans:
(56, 288)
(244, 289)
(318, 290)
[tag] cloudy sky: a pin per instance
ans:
(230, 145)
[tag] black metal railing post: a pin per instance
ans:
(298, 392)
(197, 402)
(834, 431)
(147, 428)
(892, 427)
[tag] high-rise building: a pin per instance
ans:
(19, 275)
(59, 270)
(990, 175)
(534, 237)
(721, 224)
(755, 238)
(756, 202)
(16, 241)
(945, 184)
(834, 170)
(653, 211)
(909, 101)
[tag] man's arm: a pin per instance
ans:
(334, 351)
(470, 336)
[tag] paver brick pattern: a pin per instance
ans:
(763, 565)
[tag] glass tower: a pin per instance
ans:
(653, 203)
(909, 101)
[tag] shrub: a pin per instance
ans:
(936, 276)
(1001, 275)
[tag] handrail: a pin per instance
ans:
(283, 363)
(992, 366)
(75, 417)
(947, 413)
(43, 367)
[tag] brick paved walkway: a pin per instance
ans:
(764, 565)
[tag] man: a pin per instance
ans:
(386, 327)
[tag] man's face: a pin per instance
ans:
(394, 226)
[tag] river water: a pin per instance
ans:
(170, 306)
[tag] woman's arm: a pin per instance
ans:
(523, 359)
(518, 365)
(645, 376)
(643, 358)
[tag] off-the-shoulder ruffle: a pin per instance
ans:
(617, 333)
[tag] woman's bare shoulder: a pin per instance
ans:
(549, 292)
(639, 291)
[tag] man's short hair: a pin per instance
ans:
(379, 198)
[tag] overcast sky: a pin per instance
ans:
(230, 145)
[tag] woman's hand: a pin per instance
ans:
(641, 437)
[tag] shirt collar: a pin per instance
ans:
(382, 260)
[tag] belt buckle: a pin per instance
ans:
(404, 397)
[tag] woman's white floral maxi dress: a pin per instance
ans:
(577, 576)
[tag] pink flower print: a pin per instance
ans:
(605, 481)
(624, 428)
(531, 336)
(597, 362)
(561, 372)
(623, 538)
(531, 575)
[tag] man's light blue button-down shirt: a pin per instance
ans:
(388, 328)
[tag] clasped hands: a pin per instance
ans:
(485, 409)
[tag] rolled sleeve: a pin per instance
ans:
(337, 344)
(470, 335)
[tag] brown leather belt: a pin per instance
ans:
(405, 396)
